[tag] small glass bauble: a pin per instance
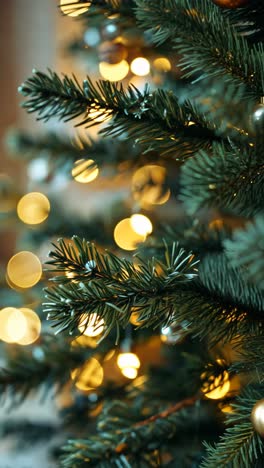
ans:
(257, 417)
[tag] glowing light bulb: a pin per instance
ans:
(33, 208)
(221, 388)
(33, 327)
(162, 64)
(217, 388)
(91, 326)
(148, 186)
(115, 72)
(128, 360)
(140, 66)
(141, 224)
(68, 9)
(85, 171)
(129, 372)
(24, 269)
(125, 236)
(128, 364)
(13, 325)
(90, 376)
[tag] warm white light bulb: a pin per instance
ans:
(140, 66)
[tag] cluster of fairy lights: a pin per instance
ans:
(139, 66)
(24, 270)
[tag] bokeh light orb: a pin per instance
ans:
(85, 171)
(33, 208)
(33, 328)
(129, 372)
(114, 72)
(140, 66)
(125, 236)
(141, 224)
(128, 360)
(162, 64)
(24, 269)
(13, 325)
(91, 326)
(88, 377)
(149, 186)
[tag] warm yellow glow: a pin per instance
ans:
(216, 224)
(13, 325)
(140, 66)
(84, 341)
(227, 409)
(128, 360)
(109, 355)
(141, 224)
(66, 7)
(33, 327)
(148, 186)
(221, 388)
(91, 326)
(125, 236)
(129, 372)
(85, 171)
(162, 64)
(33, 208)
(24, 269)
(90, 376)
(115, 72)
(217, 388)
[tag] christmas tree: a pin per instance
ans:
(158, 325)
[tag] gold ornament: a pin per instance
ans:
(257, 417)
(231, 3)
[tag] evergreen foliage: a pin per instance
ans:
(214, 289)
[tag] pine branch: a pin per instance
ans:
(112, 286)
(42, 366)
(122, 439)
(240, 445)
(218, 306)
(246, 251)
(249, 20)
(224, 180)
(63, 151)
(250, 359)
(208, 42)
(167, 122)
(191, 233)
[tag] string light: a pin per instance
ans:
(140, 66)
(129, 364)
(141, 224)
(33, 327)
(115, 72)
(85, 171)
(162, 64)
(13, 325)
(24, 269)
(125, 236)
(33, 208)
(91, 327)
(148, 186)
(216, 388)
(90, 376)
(67, 8)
